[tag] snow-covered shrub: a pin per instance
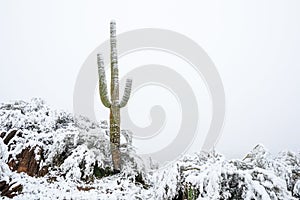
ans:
(72, 145)
(76, 152)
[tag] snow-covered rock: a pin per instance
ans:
(73, 161)
(40, 141)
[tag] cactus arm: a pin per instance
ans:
(102, 82)
(126, 94)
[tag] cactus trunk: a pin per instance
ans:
(115, 137)
(114, 109)
(114, 103)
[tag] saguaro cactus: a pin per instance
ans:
(114, 105)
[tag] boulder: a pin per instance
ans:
(28, 161)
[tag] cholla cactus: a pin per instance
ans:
(114, 103)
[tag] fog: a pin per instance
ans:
(254, 45)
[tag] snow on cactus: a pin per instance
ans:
(113, 103)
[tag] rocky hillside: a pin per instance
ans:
(48, 154)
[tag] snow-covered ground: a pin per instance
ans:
(76, 153)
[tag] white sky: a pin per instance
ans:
(254, 44)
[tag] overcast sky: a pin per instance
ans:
(255, 46)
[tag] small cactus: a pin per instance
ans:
(114, 105)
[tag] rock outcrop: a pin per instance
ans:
(10, 189)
